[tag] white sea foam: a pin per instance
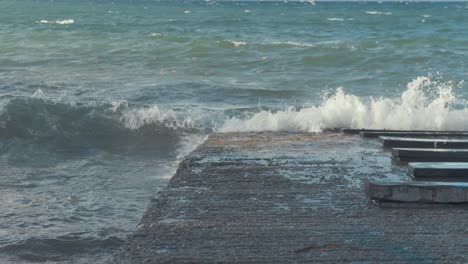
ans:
(119, 104)
(237, 43)
(378, 13)
(415, 109)
(136, 118)
(38, 93)
(335, 19)
(59, 22)
(425, 105)
(339, 19)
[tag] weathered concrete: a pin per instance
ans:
(439, 170)
(420, 192)
(357, 131)
(290, 198)
(374, 133)
(402, 142)
(414, 134)
(430, 155)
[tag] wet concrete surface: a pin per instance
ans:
(290, 198)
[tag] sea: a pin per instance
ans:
(100, 100)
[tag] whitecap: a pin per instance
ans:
(424, 105)
(335, 19)
(237, 43)
(378, 13)
(339, 19)
(416, 108)
(136, 118)
(65, 22)
(59, 22)
(38, 93)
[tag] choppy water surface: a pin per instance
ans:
(99, 100)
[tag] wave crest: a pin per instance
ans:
(84, 125)
(58, 22)
(139, 117)
(378, 13)
(425, 105)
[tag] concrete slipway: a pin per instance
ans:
(291, 198)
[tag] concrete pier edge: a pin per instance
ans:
(290, 198)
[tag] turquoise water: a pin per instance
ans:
(99, 100)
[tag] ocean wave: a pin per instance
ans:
(339, 19)
(108, 125)
(378, 13)
(139, 117)
(59, 22)
(424, 105)
(117, 124)
(237, 43)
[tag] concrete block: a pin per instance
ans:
(420, 134)
(360, 130)
(430, 155)
(402, 142)
(419, 192)
(439, 169)
(395, 132)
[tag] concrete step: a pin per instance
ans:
(359, 130)
(415, 133)
(430, 152)
(429, 155)
(439, 170)
(419, 192)
(421, 134)
(403, 142)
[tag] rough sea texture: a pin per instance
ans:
(99, 100)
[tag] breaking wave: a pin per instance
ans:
(237, 43)
(119, 125)
(106, 125)
(424, 105)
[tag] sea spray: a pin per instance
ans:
(424, 105)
